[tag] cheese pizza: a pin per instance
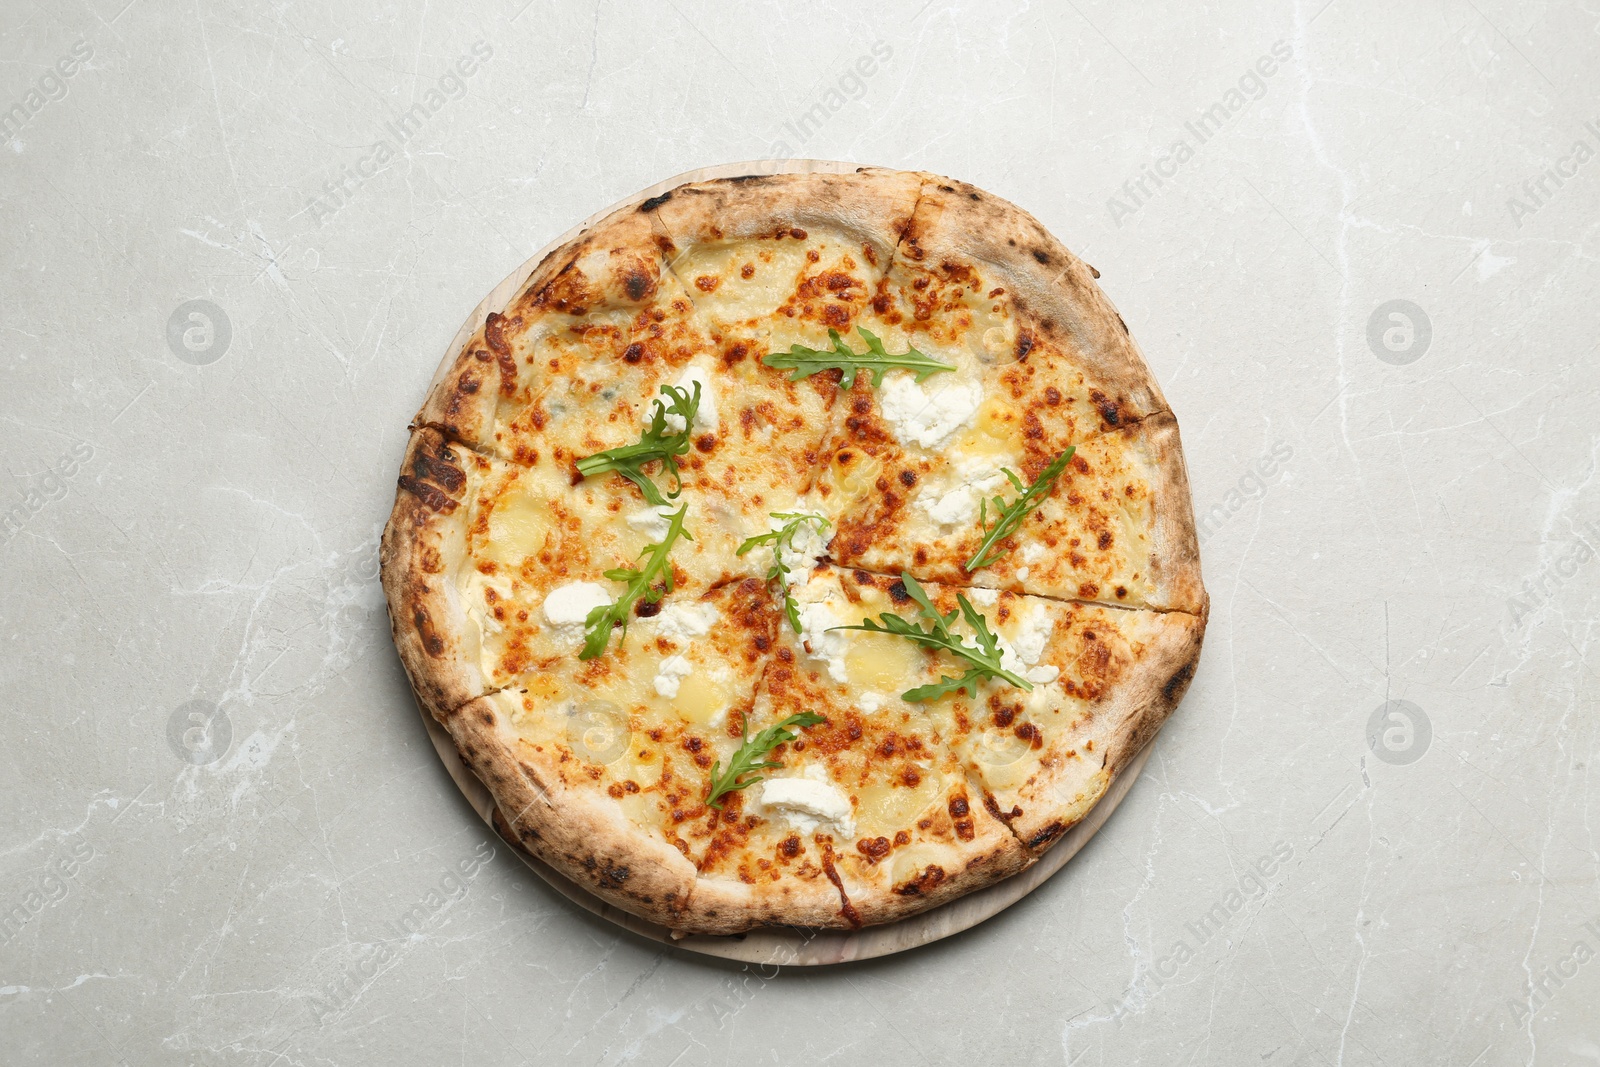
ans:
(800, 549)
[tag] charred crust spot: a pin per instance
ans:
(747, 271)
(958, 806)
(656, 201)
(923, 883)
(1107, 407)
(1122, 592)
(706, 442)
(1052, 395)
(1046, 835)
(902, 837)
(432, 642)
(797, 233)
(707, 283)
(493, 334)
(1088, 590)
(1031, 734)
(608, 874)
(1178, 682)
(430, 495)
(646, 609)
(441, 471)
(1104, 540)
(897, 592)
(789, 847)
(638, 284)
(1041, 256)
(633, 353)
(488, 717)
(1026, 342)
(908, 478)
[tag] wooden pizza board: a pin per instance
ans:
(778, 945)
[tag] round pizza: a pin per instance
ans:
(802, 549)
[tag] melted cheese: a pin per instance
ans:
(519, 527)
(886, 808)
(703, 698)
(882, 662)
(713, 274)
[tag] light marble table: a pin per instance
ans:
(1357, 241)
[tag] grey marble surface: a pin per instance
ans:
(1367, 837)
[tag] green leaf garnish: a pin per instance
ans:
(780, 539)
(984, 657)
(657, 443)
(641, 585)
(1011, 515)
(874, 361)
(752, 756)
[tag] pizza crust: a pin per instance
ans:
(873, 205)
(572, 828)
(547, 801)
(615, 265)
(1049, 285)
(422, 548)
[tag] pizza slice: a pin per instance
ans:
(585, 341)
(493, 571)
(627, 740)
(1107, 521)
(869, 815)
(985, 368)
(1105, 680)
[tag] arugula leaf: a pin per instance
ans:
(874, 361)
(780, 539)
(657, 442)
(984, 657)
(752, 756)
(1011, 515)
(641, 584)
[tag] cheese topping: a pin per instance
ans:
(927, 420)
(809, 802)
(670, 675)
(808, 543)
(652, 522)
(705, 416)
(683, 621)
(1021, 652)
(815, 619)
(570, 604)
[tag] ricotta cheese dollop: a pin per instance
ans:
(809, 802)
(684, 621)
(570, 604)
(815, 619)
(705, 416)
(927, 420)
(670, 675)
